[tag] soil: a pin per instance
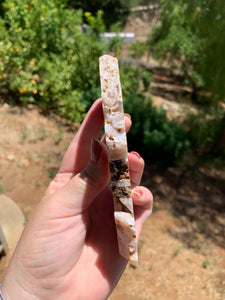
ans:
(182, 246)
(31, 148)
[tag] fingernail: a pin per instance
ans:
(135, 153)
(96, 150)
(138, 193)
(127, 115)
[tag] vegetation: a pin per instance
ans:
(191, 37)
(206, 133)
(137, 49)
(111, 9)
(158, 140)
(46, 58)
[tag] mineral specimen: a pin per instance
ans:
(116, 142)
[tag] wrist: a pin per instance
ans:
(11, 290)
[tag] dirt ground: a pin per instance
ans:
(182, 253)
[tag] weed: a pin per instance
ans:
(37, 185)
(141, 244)
(25, 220)
(1, 188)
(52, 172)
(41, 133)
(58, 137)
(23, 135)
(47, 158)
(177, 251)
(150, 267)
(47, 183)
(137, 49)
(223, 293)
(205, 263)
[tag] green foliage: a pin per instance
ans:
(1, 8)
(209, 19)
(206, 132)
(46, 58)
(177, 251)
(114, 45)
(158, 140)
(137, 49)
(134, 80)
(110, 8)
(191, 37)
(205, 263)
(52, 172)
(176, 41)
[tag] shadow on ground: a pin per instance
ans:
(197, 202)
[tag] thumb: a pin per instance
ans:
(77, 195)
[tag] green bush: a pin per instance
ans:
(137, 49)
(46, 58)
(190, 37)
(206, 132)
(157, 139)
(134, 80)
(176, 41)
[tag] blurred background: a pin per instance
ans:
(172, 69)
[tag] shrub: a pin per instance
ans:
(206, 132)
(46, 58)
(190, 37)
(137, 49)
(134, 80)
(158, 140)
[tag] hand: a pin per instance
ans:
(68, 249)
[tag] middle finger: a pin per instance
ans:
(136, 168)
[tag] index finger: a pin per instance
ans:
(78, 153)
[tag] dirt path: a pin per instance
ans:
(31, 148)
(182, 253)
(169, 270)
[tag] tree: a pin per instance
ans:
(191, 37)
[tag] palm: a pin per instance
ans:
(80, 248)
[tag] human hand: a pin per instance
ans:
(68, 249)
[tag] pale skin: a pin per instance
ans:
(68, 249)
